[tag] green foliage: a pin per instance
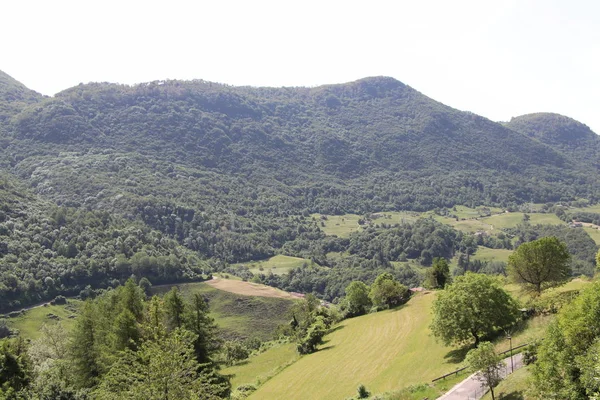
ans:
(15, 367)
(473, 307)
(387, 292)
(362, 392)
(540, 264)
(567, 363)
(357, 297)
(439, 273)
(484, 360)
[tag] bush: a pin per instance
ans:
(363, 393)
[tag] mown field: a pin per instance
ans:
(385, 351)
(241, 309)
(262, 367)
(277, 265)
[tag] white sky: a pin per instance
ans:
(499, 58)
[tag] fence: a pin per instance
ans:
(464, 368)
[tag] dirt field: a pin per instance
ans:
(248, 288)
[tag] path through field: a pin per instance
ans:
(471, 388)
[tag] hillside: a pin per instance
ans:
(561, 133)
(175, 179)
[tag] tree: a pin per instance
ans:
(197, 321)
(164, 369)
(473, 307)
(174, 308)
(487, 364)
(540, 264)
(357, 296)
(388, 292)
(439, 273)
(568, 363)
(83, 349)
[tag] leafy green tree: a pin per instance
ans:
(567, 360)
(439, 273)
(313, 337)
(473, 307)
(540, 264)
(487, 364)
(387, 291)
(357, 297)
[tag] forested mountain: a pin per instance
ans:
(107, 179)
(563, 134)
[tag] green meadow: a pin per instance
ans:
(239, 316)
(277, 265)
(30, 321)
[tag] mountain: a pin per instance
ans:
(230, 174)
(376, 143)
(562, 133)
(14, 96)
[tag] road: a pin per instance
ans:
(471, 388)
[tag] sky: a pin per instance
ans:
(499, 59)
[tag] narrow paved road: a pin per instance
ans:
(472, 389)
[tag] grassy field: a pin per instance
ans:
(250, 311)
(593, 209)
(594, 234)
(278, 265)
(510, 220)
(262, 367)
(30, 322)
(385, 351)
(514, 387)
(487, 254)
(338, 225)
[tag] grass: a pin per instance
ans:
(30, 321)
(277, 265)
(384, 351)
(262, 367)
(514, 387)
(425, 390)
(510, 220)
(594, 234)
(487, 254)
(338, 225)
(239, 316)
(593, 209)
(248, 288)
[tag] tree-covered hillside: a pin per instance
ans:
(563, 134)
(158, 178)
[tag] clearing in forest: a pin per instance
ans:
(240, 315)
(249, 288)
(277, 265)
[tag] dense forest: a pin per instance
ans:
(172, 180)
